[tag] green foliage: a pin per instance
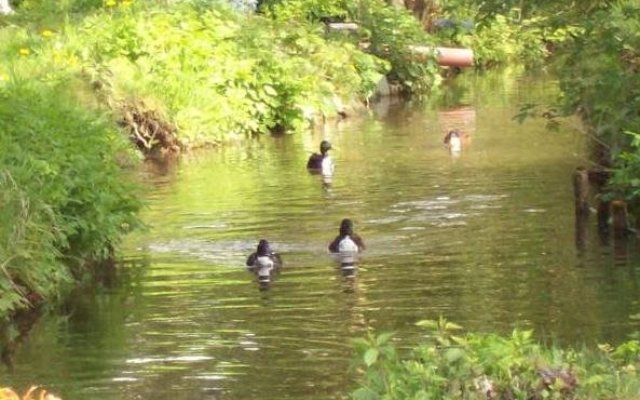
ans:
(481, 366)
(64, 198)
(214, 73)
(312, 10)
(505, 33)
(599, 78)
(599, 73)
(219, 74)
(502, 40)
(386, 32)
(391, 34)
(625, 180)
(595, 46)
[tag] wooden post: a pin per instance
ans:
(620, 225)
(619, 212)
(581, 194)
(581, 191)
(604, 213)
(581, 232)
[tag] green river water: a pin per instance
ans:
(485, 239)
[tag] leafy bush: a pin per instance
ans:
(385, 31)
(65, 200)
(625, 180)
(599, 73)
(452, 365)
(211, 71)
(219, 74)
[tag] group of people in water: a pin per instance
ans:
(347, 244)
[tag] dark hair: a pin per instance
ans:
(263, 248)
(346, 227)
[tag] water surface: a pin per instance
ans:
(485, 238)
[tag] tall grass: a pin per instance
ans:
(65, 200)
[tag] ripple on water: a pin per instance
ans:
(487, 240)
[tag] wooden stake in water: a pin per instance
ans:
(581, 191)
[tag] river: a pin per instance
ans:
(485, 238)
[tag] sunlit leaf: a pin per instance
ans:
(371, 356)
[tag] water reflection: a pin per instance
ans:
(487, 241)
(462, 118)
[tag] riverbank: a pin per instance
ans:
(66, 200)
(185, 317)
(84, 78)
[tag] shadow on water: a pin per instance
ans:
(487, 239)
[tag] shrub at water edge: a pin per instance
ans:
(448, 364)
(65, 201)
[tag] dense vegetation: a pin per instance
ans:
(65, 200)
(593, 47)
(76, 75)
(448, 364)
(207, 73)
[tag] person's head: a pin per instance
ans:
(325, 146)
(264, 248)
(346, 227)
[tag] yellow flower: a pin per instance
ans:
(110, 3)
(125, 3)
(24, 51)
(46, 33)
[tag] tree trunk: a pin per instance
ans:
(424, 10)
(581, 191)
